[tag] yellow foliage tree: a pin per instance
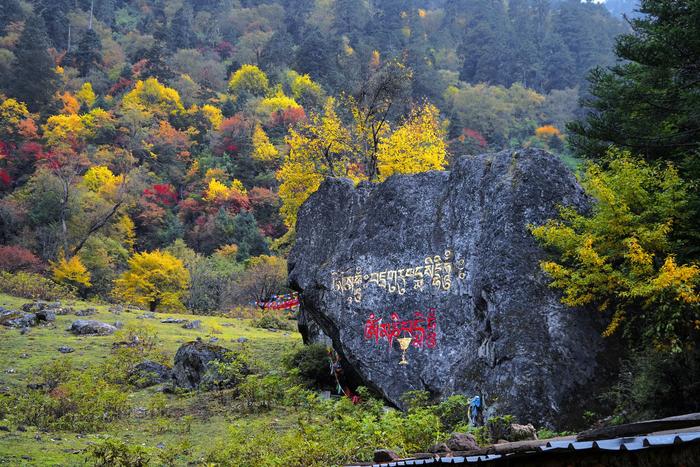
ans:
(416, 146)
(325, 147)
(101, 180)
(218, 191)
(155, 279)
(86, 96)
(263, 149)
(249, 79)
(277, 102)
(318, 149)
(152, 97)
(619, 256)
(71, 272)
(214, 115)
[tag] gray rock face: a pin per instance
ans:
(445, 259)
(84, 327)
(194, 367)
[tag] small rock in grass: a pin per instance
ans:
(24, 355)
(4, 428)
(241, 340)
(86, 312)
(66, 349)
(89, 327)
(196, 324)
(171, 320)
(160, 445)
(213, 339)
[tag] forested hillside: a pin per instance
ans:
(130, 126)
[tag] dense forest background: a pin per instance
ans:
(131, 126)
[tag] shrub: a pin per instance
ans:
(273, 321)
(82, 402)
(112, 452)
(499, 427)
(261, 392)
(33, 286)
(313, 364)
(14, 258)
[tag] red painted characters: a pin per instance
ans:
(422, 329)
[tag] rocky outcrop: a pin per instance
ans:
(446, 259)
(86, 327)
(195, 366)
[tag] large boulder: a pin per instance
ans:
(86, 327)
(196, 366)
(446, 259)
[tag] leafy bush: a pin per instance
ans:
(14, 258)
(80, 401)
(329, 433)
(499, 427)
(261, 392)
(657, 384)
(33, 286)
(273, 321)
(112, 452)
(312, 363)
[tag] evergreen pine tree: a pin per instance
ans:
(34, 76)
(88, 54)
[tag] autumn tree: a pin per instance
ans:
(379, 97)
(154, 279)
(418, 145)
(620, 256)
(249, 80)
(320, 148)
(71, 272)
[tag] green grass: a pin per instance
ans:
(206, 415)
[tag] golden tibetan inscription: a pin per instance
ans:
(436, 272)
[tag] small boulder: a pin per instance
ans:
(462, 442)
(522, 432)
(86, 312)
(439, 448)
(66, 349)
(17, 319)
(149, 373)
(242, 340)
(83, 327)
(116, 309)
(194, 367)
(171, 320)
(47, 315)
(385, 455)
(196, 324)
